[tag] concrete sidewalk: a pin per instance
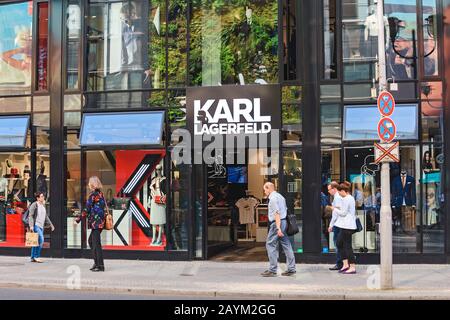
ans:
(224, 279)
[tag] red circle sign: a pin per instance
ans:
(387, 129)
(386, 104)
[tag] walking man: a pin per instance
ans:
(277, 233)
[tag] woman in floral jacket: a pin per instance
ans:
(95, 213)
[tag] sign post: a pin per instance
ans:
(386, 106)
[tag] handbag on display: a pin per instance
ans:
(121, 203)
(160, 199)
(31, 239)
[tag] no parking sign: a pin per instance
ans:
(387, 130)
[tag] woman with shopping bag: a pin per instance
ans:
(37, 219)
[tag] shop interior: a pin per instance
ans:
(412, 213)
(237, 207)
(17, 193)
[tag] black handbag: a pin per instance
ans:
(359, 226)
(292, 227)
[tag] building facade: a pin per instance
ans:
(122, 89)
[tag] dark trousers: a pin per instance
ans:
(336, 231)
(344, 244)
(95, 244)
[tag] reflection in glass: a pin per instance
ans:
(41, 126)
(179, 193)
(331, 123)
(290, 39)
(430, 39)
(432, 112)
(139, 128)
(232, 43)
(361, 122)
(177, 44)
(292, 167)
(360, 39)
(330, 40)
(72, 201)
(13, 131)
(292, 125)
(433, 199)
(402, 50)
(73, 37)
(117, 38)
(16, 48)
(42, 55)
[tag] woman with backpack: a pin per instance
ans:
(95, 212)
(346, 221)
(37, 219)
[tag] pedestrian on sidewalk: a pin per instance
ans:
(37, 219)
(346, 221)
(95, 213)
(277, 233)
(337, 203)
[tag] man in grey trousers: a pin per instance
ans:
(277, 233)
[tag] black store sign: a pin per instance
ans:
(233, 110)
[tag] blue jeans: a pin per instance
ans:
(272, 245)
(36, 251)
(336, 231)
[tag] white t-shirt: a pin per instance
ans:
(347, 214)
(337, 203)
(246, 210)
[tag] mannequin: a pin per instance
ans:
(371, 32)
(157, 202)
(404, 201)
(41, 181)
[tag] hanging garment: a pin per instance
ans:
(247, 210)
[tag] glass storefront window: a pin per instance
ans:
(73, 202)
(402, 38)
(41, 126)
(13, 131)
(433, 216)
(144, 128)
(233, 43)
(16, 48)
(359, 39)
(73, 36)
(292, 125)
(293, 173)
(117, 40)
(15, 190)
(330, 48)
(42, 55)
(432, 112)
(179, 195)
(430, 38)
(135, 187)
(331, 123)
(177, 44)
(290, 33)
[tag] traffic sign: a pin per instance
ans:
(387, 129)
(386, 104)
(387, 152)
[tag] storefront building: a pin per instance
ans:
(124, 90)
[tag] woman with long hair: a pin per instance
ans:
(95, 211)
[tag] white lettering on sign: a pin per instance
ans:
(243, 118)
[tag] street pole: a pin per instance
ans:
(386, 212)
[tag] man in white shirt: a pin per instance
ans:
(337, 203)
(277, 229)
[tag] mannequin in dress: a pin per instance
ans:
(157, 206)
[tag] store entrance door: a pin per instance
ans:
(236, 208)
